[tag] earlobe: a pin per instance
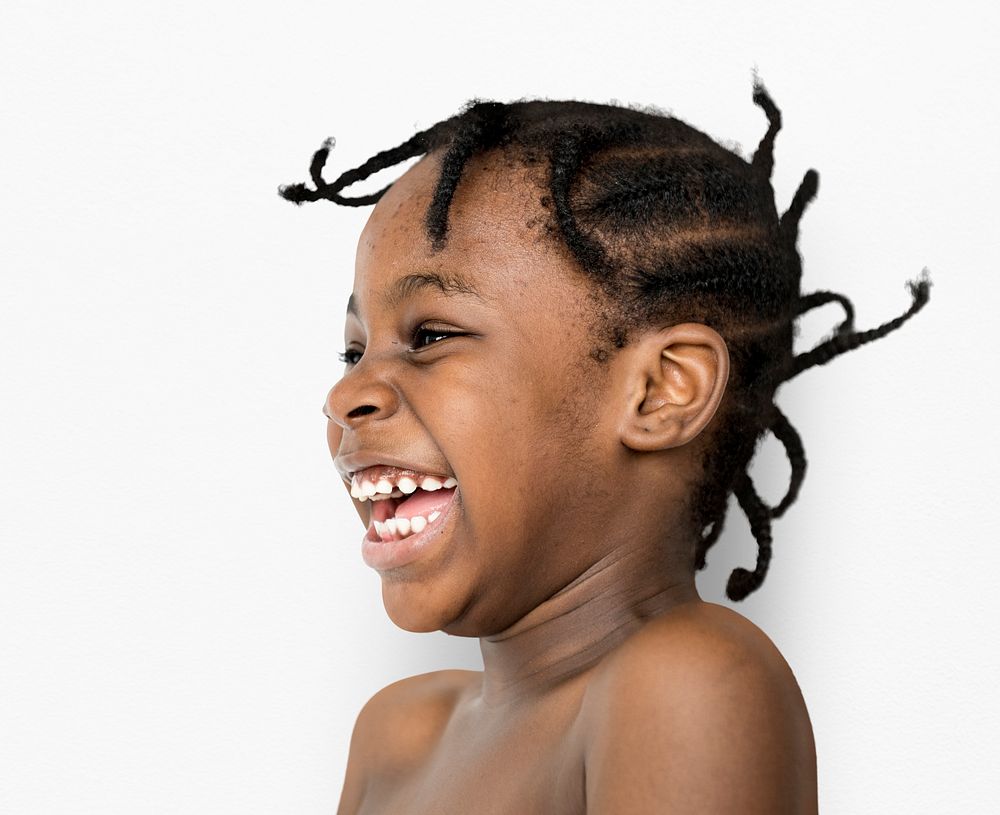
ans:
(675, 378)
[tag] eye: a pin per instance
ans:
(348, 357)
(352, 357)
(423, 331)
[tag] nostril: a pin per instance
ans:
(361, 411)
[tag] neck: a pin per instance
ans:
(577, 626)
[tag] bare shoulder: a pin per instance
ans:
(398, 726)
(700, 636)
(404, 718)
(698, 710)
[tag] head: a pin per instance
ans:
(611, 300)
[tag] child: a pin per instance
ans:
(609, 300)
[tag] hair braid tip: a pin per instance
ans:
(743, 581)
(807, 190)
(920, 288)
(319, 162)
(763, 158)
(298, 194)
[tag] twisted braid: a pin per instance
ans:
(792, 442)
(847, 340)
(741, 581)
(416, 145)
(763, 158)
(803, 195)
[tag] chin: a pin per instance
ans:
(413, 607)
(421, 608)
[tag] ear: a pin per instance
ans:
(674, 379)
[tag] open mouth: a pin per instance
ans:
(396, 518)
(411, 527)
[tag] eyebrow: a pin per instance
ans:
(451, 285)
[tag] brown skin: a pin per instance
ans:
(609, 685)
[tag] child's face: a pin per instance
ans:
(511, 407)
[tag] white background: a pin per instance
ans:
(186, 624)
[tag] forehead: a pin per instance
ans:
(499, 234)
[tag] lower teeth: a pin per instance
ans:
(406, 529)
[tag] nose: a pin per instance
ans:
(359, 398)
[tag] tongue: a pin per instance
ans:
(423, 502)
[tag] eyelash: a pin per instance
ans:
(346, 356)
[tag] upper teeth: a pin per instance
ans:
(382, 487)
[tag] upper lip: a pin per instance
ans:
(350, 463)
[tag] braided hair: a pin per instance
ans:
(669, 226)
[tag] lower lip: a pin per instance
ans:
(382, 555)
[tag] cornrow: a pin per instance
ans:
(565, 161)
(483, 127)
(672, 227)
(568, 152)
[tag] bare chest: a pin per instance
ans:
(530, 764)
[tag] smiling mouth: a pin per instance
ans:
(396, 518)
(396, 546)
